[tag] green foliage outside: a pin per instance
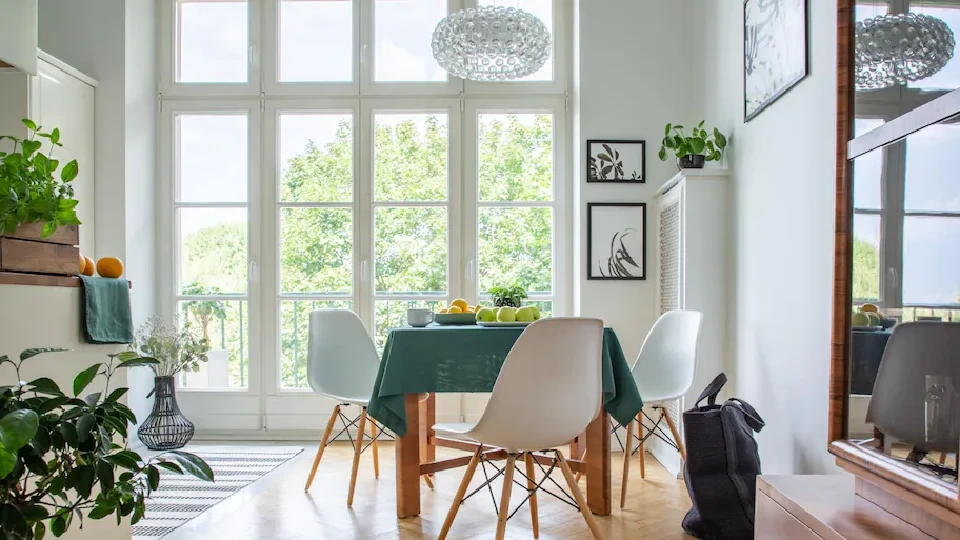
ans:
(866, 270)
(410, 243)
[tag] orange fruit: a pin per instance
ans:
(110, 267)
(89, 266)
(460, 303)
(83, 264)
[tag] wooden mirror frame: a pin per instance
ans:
(898, 488)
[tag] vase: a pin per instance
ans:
(691, 162)
(166, 428)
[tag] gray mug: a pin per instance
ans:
(419, 317)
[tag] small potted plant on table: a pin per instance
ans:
(691, 152)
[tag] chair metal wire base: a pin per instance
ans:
(166, 428)
(488, 483)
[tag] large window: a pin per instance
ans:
(318, 157)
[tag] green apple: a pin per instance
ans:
(874, 319)
(525, 314)
(860, 319)
(536, 312)
(486, 315)
(507, 314)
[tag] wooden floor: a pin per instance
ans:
(276, 507)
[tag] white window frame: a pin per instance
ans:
(264, 97)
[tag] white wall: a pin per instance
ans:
(782, 205)
(115, 42)
(18, 34)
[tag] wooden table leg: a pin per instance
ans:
(408, 461)
(599, 484)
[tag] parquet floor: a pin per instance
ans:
(276, 506)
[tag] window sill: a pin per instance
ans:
(40, 280)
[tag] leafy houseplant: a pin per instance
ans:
(175, 351)
(29, 190)
(508, 296)
(692, 151)
(203, 311)
(55, 449)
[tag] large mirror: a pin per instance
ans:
(903, 339)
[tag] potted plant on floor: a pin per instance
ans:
(215, 373)
(175, 350)
(64, 458)
(692, 151)
(38, 218)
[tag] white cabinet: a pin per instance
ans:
(18, 34)
(57, 97)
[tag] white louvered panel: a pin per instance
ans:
(670, 257)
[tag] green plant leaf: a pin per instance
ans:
(8, 462)
(30, 353)
(29, 147)
(191, 464)
(31, 125)
(43, 385)
(666, 130)
(101, 510)
(136, 362)
(69, 171)
(170, 466)
(105, 474)
(121, 459)
(702, 122)
(85, 378)
(85, 426)
(669, 142)
(55, 135)
(663, 154)
(153, 477)
(115, 395)
(39, 530)
(721, 140)
(18, 428)
(696, 145)
(58, 525)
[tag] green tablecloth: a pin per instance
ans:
(468, 359)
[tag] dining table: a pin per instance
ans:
(418, 363)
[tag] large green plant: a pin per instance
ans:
(29, 190)
(699, 143)
(204, 311)
(64, 458)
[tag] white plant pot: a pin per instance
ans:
(215, 373)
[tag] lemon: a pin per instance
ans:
(869, 308)
(454, 309)
(443, 310)
(460, 303)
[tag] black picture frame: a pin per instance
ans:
(591, 176)
(594, 267)
(789, 85)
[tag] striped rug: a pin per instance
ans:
(182, 498)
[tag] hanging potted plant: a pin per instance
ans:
(64, 455)
(38, 217)
(692, 151)
(175, 351)
(215, 373)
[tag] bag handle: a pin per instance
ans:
(749, 414)
(712, 389)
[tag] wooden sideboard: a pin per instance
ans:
(823, 507)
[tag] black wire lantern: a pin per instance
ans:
(166, 428)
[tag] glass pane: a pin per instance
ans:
(411, 250)
(316, 250)
(294, 332)
(212, 153)
(393, 314)
(931, 257)
(226, 325)
(410, 157)
(213, 249)
(543, 10)
(316, 41)
(931, 184)
(867, 170)
(516, 247)
(403, 30)
(947, 78)
(212, 42)
(865, 11)
(316, 157)
(866, 257)
(516, 157)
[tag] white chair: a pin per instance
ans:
(342, 364)
(664, 371)
(547, 392)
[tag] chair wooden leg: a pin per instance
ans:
(626, 464)
(583, 457)
(943, 458)
(676, 435)
(356, 455)
(461, 491)
(640, 449)
(532, 485)
(505, 496)
(376, 451)
(428, 480)
(578, 495)
(323, 445)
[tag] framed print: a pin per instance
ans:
(774, 51)
(617, 241)
(617, 161)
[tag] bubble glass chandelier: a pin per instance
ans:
(491, 43)
(896, 49)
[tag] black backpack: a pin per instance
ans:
(721, 467)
